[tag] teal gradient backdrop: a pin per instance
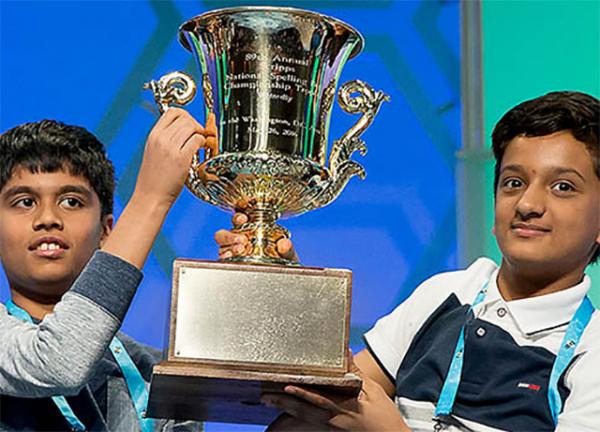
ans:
(551, 45)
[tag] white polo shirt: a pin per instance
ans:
(510, 349)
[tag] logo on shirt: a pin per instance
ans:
(528, 386)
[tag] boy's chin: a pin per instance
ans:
(52, 286)
(535, 263)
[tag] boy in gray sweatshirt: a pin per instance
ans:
(68, 297)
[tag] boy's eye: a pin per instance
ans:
(512, 183)
(71, 202)
(563, 187)
(24, 203)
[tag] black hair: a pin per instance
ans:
(50, 146)
(576, 112)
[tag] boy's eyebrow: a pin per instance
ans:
(17, 190)
(554, 170)
(561, 170)
(512, 167)
(63, 190)
(75, 189)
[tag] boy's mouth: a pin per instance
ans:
(49, 247)
(527, 230)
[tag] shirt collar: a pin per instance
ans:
(543, 312)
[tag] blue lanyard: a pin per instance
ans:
(565, 354)
(450, 387)
(578, 323)
(135, 382)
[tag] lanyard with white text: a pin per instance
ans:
(565, 354)
(135, 382)
(578, 323)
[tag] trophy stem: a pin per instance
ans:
(263, 233)
(262, 214)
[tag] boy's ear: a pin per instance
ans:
(107, 225)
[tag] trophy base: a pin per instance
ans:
(187, 391)
(240, 330)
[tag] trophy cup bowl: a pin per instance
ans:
(259, 321)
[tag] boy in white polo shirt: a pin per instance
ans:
(515, 347)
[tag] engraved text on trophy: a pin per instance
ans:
(276, 119)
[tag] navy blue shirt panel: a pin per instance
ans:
(503, 385)
(422, 372)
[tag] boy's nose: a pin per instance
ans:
(532, 203)
(47, 217)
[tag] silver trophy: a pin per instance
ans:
(270, 76)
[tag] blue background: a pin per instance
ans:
(85, 62)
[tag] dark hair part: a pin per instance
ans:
(49, 146)
(576, 112)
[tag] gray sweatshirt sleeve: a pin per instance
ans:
(58, 355)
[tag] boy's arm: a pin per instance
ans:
(173, 141)
(373, 409)
(369, 367)
(57, 356)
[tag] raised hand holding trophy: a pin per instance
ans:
(257, 322)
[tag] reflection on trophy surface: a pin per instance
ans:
(269, 75)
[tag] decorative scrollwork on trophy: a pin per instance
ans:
(175, 88)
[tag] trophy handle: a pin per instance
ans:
(178, 88)
(354, 97)
(174, 88)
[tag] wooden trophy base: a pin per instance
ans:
(192, 392)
